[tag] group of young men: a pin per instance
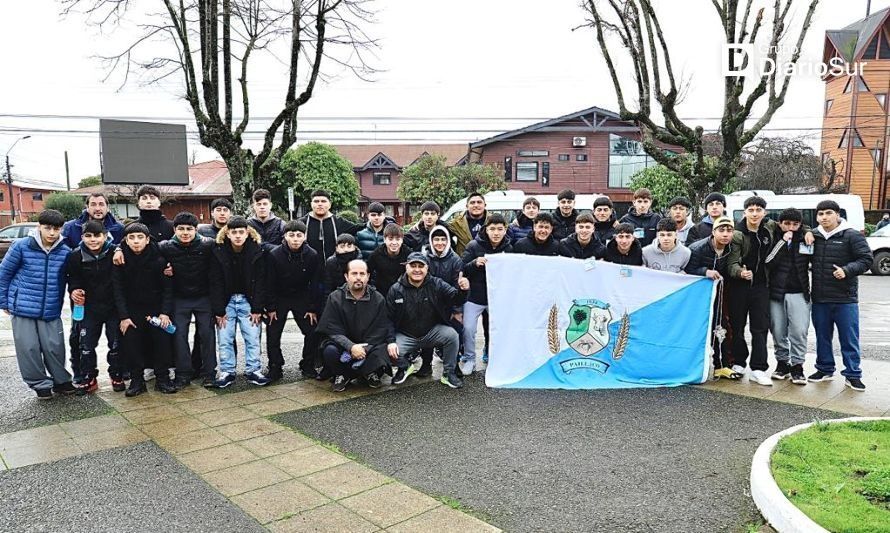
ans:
(371, 299)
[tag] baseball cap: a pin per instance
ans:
(417, 257)
(723, 221)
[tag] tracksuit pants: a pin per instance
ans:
(749, 304)
(40, 349)
(789, 322)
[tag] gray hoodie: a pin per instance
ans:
(657, 259)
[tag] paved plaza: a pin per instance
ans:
(297, 457)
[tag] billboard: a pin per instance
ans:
(143, 152)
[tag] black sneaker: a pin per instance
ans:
(182, 382)
(818, 376)
(457, 371)
(66, 388)
(274, 373)
(137, 387)
(165, 386)
(402, 374)
(309, 373)
(208, 382)
(373, 380)
(856, 384)
(44, 394)
(797, 375)
(339, 384)
(451, 380)
(783, 370)
(426, 370)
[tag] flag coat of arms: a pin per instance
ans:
(559, 323)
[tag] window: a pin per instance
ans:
(533, 153)
(37, 196)
(849, 86)
(9, 233)
(872, 51)
(1, 196)
(828, 104)
(565, 157)
(389, 209)
(581, 157)
(884, 52)
(526, 171)
(856, 139)
(382, 178)
(626, 158)
(876, 155)
(882, 99)
(861, 86)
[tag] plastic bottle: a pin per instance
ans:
(155, 321)
(77, 312)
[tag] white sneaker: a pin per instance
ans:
(148, 374)
(467, 367)
(738, 369)
(761, 378)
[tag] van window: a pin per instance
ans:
(809, 215)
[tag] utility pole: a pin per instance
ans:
(9, 177)
(67, 173)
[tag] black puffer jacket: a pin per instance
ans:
(222, 273)
(159, 228)
(191, 266)
(404, 301)
(140, 285)
(846, 248)
(271, 230)
(418, 236)
(570, 247)
(385, 269)
(788, 268)
(700, 231)
(703, 258)
(91, 272)
(603, 231)
(476, 274)
(294, 276)
(647, 222)
(563, 226)
(530, 246)
(633, 257)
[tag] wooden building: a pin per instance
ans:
(855, 124)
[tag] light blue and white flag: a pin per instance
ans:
(559, 323)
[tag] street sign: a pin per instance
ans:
(290, 201)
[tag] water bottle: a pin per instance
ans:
(77, 313)
(155, 321)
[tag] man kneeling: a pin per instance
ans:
(358, 330)
(420, 308)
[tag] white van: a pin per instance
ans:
(851, 206)
(509, 203)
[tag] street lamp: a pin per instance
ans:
(9, 177)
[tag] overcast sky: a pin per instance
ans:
(443, 66)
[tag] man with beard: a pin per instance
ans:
(420, 307)
(565, 215)
(357, 330)
(582, 244)
(540, 241)
(335, 265)
(96, 209)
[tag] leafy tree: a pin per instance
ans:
(430, 178)
(315, 166)
(667, 184)
(350, 215)
(70, 205)
(89, 181)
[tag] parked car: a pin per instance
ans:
(13, 232)
(879, 242)
(851, 206)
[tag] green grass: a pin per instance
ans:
(838, 474)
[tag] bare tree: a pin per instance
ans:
(782, 165)
(639, 31)
(209, 45)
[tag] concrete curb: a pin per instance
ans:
(778, 511)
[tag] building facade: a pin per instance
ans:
(28, 200)
(855, 124)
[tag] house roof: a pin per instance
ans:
(208, 179)
(401, 155)
(593, 119)
(852, 40)
(37, 185)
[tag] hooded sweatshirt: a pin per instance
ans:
(446, 266)
(846, 248)
(646, 225)
(92, 273)
(674, 261)
(321, 233)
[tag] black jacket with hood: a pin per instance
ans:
(347, 321)
(191, 266)
(335, 272)
(404, 301)
(633, 257)
(92, 273)
(294, 277)
(648, 223)
(476, 274)
(159, 228)
(222, 273)
(140, 286)
(703, 257)
(570, 247)
(846, 248)
(321, 234)
(271, 231)
(563, 226)
(789, 270)
(530, 246)
(386, 269)
(604, 231)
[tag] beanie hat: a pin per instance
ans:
(681, 200)
(715, 197)
(601, 201)
(430, 206)
(376, 207)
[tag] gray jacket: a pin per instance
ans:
(673, 261)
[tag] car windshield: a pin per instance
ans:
(883, 232)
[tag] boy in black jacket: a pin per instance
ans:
(540, 241)
(387, 264)
(335, 266)
(142, 291)
(238, 298)
(624, 248)
(293, 287)
(89, 271)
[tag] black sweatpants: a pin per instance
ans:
(311, 359)
(749, 304)
(372, 365)
(184, 309)
(147, 346)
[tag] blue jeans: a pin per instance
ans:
(238, 313)
(846, 318)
